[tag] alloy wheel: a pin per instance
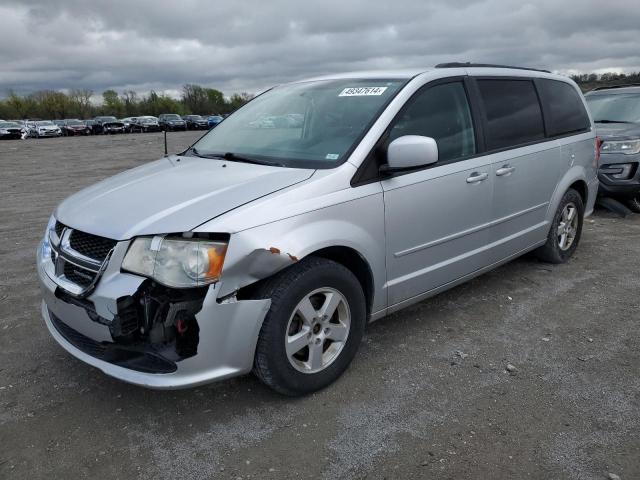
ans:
(317, 330)
(568, 226)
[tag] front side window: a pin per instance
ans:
(513, 113)
(442, 113)
(614, 107)
(307, 125)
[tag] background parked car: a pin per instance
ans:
(44, 128)
(171, 121)
(91, 125)
(616, 113)
(23, 127)
(127, 123)
(214, 120)
(145, 124)
(58, 123)
(107, 125)
(10, 130)
(196, 122)
(73, 127)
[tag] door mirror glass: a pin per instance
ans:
(411, 151)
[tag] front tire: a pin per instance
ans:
(566, 230)
(313, 327)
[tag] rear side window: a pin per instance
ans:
(512, 111)
(564, 110)
(442, 113)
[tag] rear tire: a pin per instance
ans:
(634, 203)
(566, 229)
(302, 347)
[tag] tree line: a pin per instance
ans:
(589, 81)
(194, 99)
(77, 103)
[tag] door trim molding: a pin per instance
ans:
(469, 231)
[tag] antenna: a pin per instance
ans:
(166, 152)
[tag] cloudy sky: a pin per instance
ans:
(249, 45)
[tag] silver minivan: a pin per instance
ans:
(319, 206)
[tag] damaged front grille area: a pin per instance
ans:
(156, 320)
(141, 361)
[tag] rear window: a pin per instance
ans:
(513, 113)
(564, 110)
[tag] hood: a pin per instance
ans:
(171, 195)
(623, 131)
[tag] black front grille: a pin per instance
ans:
(91, 246)
(110, 352)
(78, 340)
(78, 275)
(59, 227)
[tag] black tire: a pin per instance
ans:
(286, 290)
(551, 251)
(634, 203)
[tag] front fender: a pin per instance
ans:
(259, 252)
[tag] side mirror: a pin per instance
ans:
(410, 151)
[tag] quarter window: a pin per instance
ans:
(512, 111)
(564, 110)
(442, 113)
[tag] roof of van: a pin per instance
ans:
(450, 69)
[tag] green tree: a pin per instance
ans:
(112, 104)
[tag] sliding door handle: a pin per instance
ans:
(506, 170)
(477, 177)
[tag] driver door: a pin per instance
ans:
(437, 218)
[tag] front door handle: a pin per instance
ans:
(506, 170)
(477, 177)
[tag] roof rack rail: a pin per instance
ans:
(622, 85)
(487, 65)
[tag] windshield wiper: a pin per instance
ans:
(232, 157)
(611, 121)
(239, 158)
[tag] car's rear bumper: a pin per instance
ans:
(228, 332)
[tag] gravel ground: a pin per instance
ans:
(428, 395)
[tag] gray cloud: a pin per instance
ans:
(250, 45)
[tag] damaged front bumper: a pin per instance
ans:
(109, 329)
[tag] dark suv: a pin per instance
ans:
(196, 122)
(616, 112)
(171, 121)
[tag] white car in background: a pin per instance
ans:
(44, 128)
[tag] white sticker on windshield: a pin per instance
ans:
(332, 156)
(361, 91)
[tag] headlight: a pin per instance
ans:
(628, 147)
(2, 130)
(176, 262)
(45, 246)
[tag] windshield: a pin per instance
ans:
(194, 117)
(9, 125)
(106, 119)
(617, 107)
(44, 123)
(305, 125)
(148, 120)
(74, 122)
(172, 117)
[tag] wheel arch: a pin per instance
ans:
(354, 262)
